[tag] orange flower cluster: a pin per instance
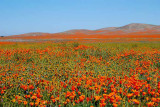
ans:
(79, 75)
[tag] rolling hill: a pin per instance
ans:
(134, 30)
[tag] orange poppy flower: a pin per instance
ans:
(135, 101)
(31, 103)
(25, 102)
(97, 97)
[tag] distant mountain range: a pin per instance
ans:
(130, 29)
(127, 29)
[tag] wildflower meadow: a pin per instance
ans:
(79, 74)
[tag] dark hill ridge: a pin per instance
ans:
(136, 27)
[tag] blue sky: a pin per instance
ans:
(24, 16)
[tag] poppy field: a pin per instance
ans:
(80, 74)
